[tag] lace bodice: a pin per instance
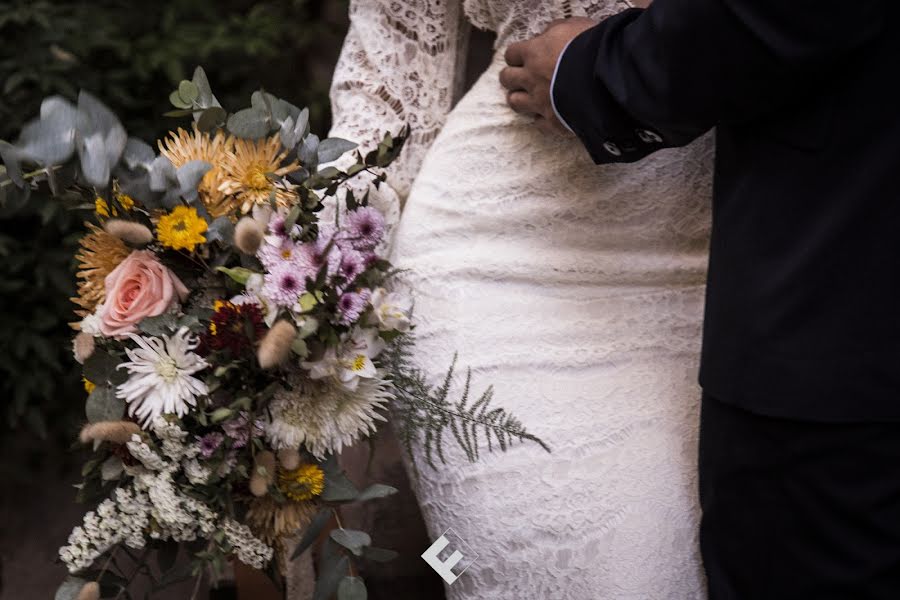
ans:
(403, 62)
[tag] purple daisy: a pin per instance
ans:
(285, 283)
(276, 226)
(239, 431)
(287, 251)
(321, 252)
(352, 266)
(209, 443)
(364, 227)
(351, 305)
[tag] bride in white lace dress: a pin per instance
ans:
(575, 290)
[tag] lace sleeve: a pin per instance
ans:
(400, 64)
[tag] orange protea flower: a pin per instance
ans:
(99, 254)
(182, 147)
(250, 172)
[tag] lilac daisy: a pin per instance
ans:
(285, 251)
(351, 305)
(238, 429)
(285, 283)
(321, 252)
(364, 227)
(209, 443)
(276, 226)
(352, 266)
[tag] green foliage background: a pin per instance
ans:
(130, 55)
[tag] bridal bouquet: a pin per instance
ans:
(236, 332)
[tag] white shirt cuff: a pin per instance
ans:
(553, 85)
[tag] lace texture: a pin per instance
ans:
(576, 290)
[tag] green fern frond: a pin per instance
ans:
(424, 414)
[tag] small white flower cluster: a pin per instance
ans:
(249, 549)
(196, 473)
(177, 516)
(141, 451)
(118, 521)
(152, 498)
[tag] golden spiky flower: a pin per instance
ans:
(251, 172)
(99, 254)
(181, 229)
(303, 483)
(182, 147)
(272, 521)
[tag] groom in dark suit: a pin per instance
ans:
(800, 428)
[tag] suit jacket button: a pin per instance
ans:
(612, 149)
(649, 137)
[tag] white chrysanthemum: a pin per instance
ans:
(325, 416)
(160, 380)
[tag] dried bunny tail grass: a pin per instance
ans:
(130, 232)
(100, 253)
(90, 591)
(276, 345)
(248, 235)
(263, 474)
(118, 432)
(289, 458)
(83, 347)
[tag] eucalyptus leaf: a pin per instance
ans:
(221, 230)
(137, 153)
(380, 555)
(188, 91)
(50, 140)
(103, 405)
(100, 367)
(378, 490)
(211, 118)
(333, 148)
(102, 139)
(238, 274)
(178, 102)
(299, 347)
(189, 177)
(11, 157)
(309, 152)
(162, 174)
(322, 518)
(159, 325)
(250, 123)
(338, 488)
(330, 578)
(352, 588)
(352, 539)
(205, 97)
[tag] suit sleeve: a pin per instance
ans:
(660, 77)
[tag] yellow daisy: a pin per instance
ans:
(99, 254)
(181, 229)
(250, 172)
(303, 483)
(89, 386)
(182, 147)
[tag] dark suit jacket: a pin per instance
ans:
(803, 302)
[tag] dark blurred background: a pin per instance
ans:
(131, 55)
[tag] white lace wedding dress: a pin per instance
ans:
(576, 290)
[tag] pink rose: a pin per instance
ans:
(138, 288)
